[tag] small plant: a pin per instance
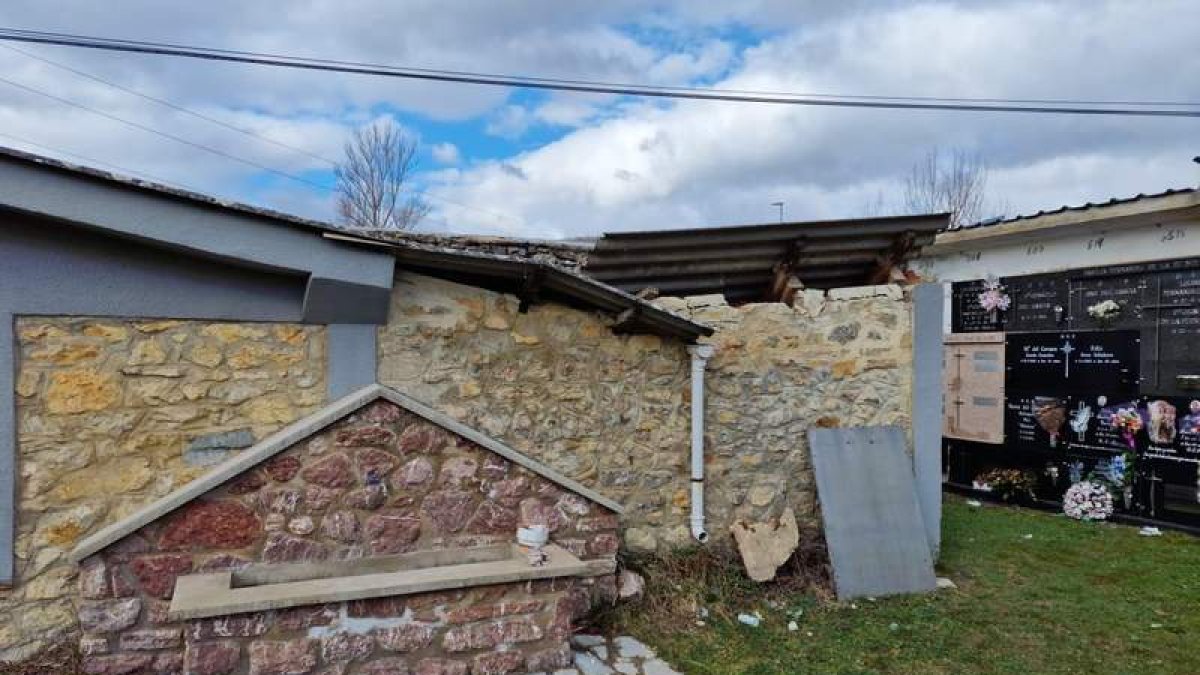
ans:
(994, 297)
(1088, 500)
(1008, 484)
(1105, 310)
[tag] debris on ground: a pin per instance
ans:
(944, 583)
(751, 620)
(793, 626)
(766, 546)
(1149, 531)
(974, 502)
(630, 585)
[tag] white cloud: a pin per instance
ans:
(702, 164)
(623, 164)
(445, 153)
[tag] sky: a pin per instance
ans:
(548, 165)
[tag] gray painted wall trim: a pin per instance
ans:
(234, 236)
(352, 358)
(927, 407)
(8, 455)
(301, 429)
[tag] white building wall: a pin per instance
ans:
(1054, 250)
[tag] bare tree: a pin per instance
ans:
(956, 183)
(373, 179)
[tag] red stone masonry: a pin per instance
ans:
(380, 481)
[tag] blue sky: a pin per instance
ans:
(543, 164)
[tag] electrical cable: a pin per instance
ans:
(1071, 107)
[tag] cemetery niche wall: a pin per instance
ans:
(1101, 383)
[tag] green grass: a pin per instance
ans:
(1074, 598)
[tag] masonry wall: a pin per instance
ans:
(113, 414)
(613, 411)
(378, 482)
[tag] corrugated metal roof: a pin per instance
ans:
(744, 262)
(1115, 201)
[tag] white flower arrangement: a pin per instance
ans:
(1102, 311)
(994, 297)
(1087, 500)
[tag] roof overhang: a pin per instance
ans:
(344, 284)
(534, 281)
(761, 262)
(1172, 206)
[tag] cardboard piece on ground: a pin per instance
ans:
(766, 546)
(873, 526)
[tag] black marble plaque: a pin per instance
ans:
(1072, 362)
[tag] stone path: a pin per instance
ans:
(624, 655)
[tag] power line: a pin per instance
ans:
(247, 132)
(1070, 107)
(141, 175)
(169, 104)
(164, 134)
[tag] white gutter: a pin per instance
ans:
(700, 356)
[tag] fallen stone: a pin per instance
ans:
(630, 584)
(766, 546)
(944, 583)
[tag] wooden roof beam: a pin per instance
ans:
(896, 254)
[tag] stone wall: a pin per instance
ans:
(381, 481)
(115, 413)
(613, 411)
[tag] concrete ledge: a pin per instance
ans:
(199, 596)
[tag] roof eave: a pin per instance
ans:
(590, 292)
(1168, 208)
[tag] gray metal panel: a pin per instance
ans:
(873, 525)
(927, 407)
(352, 358)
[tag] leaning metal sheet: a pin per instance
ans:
(873, 526)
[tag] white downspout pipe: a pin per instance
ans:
(700, 356)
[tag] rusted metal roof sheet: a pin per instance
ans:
(742, 262)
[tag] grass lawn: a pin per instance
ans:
(1073, 598)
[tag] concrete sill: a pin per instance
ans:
(256, 589)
